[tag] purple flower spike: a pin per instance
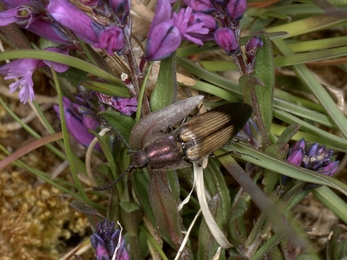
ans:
(226, 39)
(204, 6)
(162, 42)
(108, 243)
(236, 9)
(316, 158)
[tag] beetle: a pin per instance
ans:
(193, 141)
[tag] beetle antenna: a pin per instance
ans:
(130, 169)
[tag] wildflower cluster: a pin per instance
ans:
(313, 157)
(199, 22)
(108, 242)
(80, 116)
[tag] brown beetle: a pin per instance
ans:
(192, 141)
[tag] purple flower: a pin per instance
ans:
(296, 156)
(162, 14)
(50, 31)
(204, 6)
(33, 20)
(209, 22)
(181, 21)
(165, 34)
(78, 120)
(126, 106)
(313, 157)
(73, 18)
(24, 69)
(162, 42)
(112, 39)
(108, 241)
(235, 9)
(226, 39)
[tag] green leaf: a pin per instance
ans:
(265, 72)
(288, 133)
(95, 58)
(308, 25)
(237, 225)
(122, 124)
(317, 89)
(271, 178)
(164, 206)
(337, 245)
(207, 245)
(102, 174)
(140, 183)
(106, 88)
(61, 58)
(165, 91)
(215, 183)
(132, 217)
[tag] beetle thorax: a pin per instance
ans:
(139, 159)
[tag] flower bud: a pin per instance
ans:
(226, 39)
(162, 42)
(111, 39)
(296, 157)
(235, 9)
(251, 48)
